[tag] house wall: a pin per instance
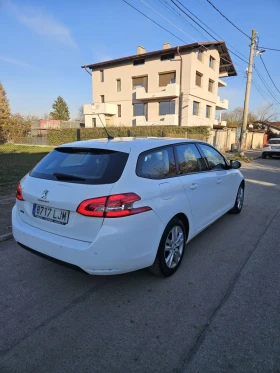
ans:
(152, 67)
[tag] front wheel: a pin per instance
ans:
(238, 201)
(171, 249)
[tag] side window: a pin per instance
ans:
(215, 159)
(157, 164)
(189, 159)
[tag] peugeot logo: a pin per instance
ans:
(44, 194)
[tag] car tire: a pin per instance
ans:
(171, 249)
(270, 156)
(238, 201)
(263, 156)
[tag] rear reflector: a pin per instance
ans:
(266, 146)
(115, 206)
(19, 192)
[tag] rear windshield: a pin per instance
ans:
(274, 142)
(83, 166)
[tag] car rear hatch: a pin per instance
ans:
(61, 181)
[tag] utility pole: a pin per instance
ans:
(247, 93)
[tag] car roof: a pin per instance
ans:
(126, 144)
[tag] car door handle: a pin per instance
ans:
(193, 186)
(218, 181)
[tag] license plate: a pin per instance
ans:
(51, 214)
(275, 147)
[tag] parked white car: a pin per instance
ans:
(271, 148)
(117, 206)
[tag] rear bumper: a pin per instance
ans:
(122, 245)
(271, 152)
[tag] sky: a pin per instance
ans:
(45, 43)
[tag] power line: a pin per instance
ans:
(266, 85)
(203, 27)
(269, 74)
(228, 19)
(154, 21)
(270, 49)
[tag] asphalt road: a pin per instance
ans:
(219, 313)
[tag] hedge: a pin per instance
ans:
(61, 136)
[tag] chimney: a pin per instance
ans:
(166, 45)
(141, 50)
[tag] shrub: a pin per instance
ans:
(65, 135)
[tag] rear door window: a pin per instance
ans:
(83, 166)
(189, 159)
(157, 164)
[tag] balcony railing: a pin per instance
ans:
(166, 120)
(170, 91)
(221, 104)
(108, 109)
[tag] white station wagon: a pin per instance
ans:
(115, 206)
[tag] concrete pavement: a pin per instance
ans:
(218, 313)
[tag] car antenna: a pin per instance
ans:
(109, 137)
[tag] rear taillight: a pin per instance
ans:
(115, 206)
(266, 146)
(19, 192)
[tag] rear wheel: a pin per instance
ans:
(171, 249)
(239, 201)
(263, 156)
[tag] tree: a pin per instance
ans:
(60, 110)
(80, 116)
(266, 113)
(4, 106)
(234, 118)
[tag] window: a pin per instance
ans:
(189, 159)
(102, 75)
(274, 141)
(166, 78)
(167, 56)
(139, 62)
(211, 85)
(119, 111)
(208, 111)
(195, 108)
(212, 62)
(85, 166)
(102, 99)
(119, 85)
(199, 55)
(157, 164)
(198, 79)
(140, 110)
(140, 81)
(166, 107)
(93, 122)
(215, 159)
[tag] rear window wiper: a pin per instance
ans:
(61, 176)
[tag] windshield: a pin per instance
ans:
(83, 166)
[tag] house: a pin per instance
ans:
(171, 86)
(273, 127)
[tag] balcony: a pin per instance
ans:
(221, 83)
(166, 120)
(220, 123)
(170, 91)
(221, 104)
(95, 109)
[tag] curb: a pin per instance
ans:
(6, 237)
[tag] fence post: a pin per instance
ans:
(128, 133)
(78, 134)
(162, 133)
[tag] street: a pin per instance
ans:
(218, 313)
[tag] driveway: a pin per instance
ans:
(218, 313)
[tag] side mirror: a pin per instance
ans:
(235, 164)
